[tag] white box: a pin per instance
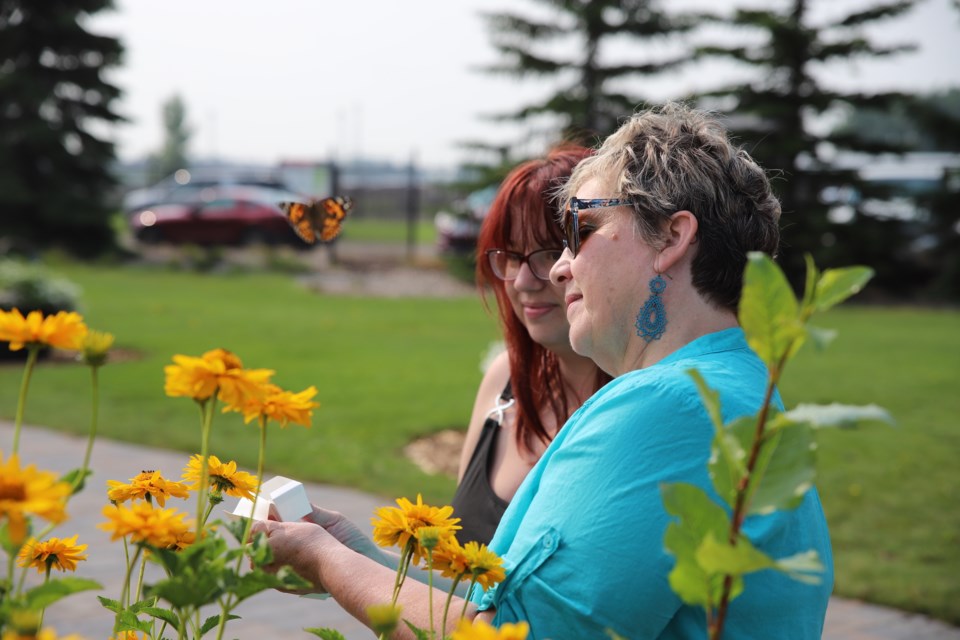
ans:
(280, 499)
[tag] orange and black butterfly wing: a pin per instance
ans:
(301, 218)
(332, 211)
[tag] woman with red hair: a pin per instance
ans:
(531, 389)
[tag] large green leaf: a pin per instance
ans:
(326, 633)
(836, 285)
(844, 416)
(189, 588)
(785, 470)
(46, 594)
(698, 516)
(719, 556)
(166, 615)
(214, 621)
(802, 566)
(769, 313)
(728, 457)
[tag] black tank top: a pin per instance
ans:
(475, 502)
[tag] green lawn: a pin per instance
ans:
(388, 370)
(360, 229)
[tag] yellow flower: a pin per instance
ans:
(57, 553)
(65, 330)
(26, 492)
(400, 526)
(223, 477)
(128, 635)
(472, 559)
(278, 405)
(480, 630)
(95, 346)
(217, 371)
(144, 523)
(383, 618)
(144, 484)
(44, 634)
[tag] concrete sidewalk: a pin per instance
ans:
(275, 615)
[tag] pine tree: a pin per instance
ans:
(775, 116)
(55, 180)
(592, 91)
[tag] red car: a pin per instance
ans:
(225, 219)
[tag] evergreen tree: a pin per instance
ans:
(55, 180)
(592, 89)
(173, 155)
(776, 115)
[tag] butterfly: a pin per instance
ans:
(317, 219)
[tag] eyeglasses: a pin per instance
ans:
(506, 264)
(571, 222)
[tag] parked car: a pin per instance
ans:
(229, 217)
(186, 187)
(457, 230)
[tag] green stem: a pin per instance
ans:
(405, 557)
(33, 349)
(143, 567)
(743, 489)
(125, 595)
(94, 412)
(227, 606)
(466, 599)
(206, 420)
(430, 588)
(46, 579)
(446, 606)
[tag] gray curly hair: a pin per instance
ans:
(676, 158)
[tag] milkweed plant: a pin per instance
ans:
(763, 462)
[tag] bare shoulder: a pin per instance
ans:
(494, 380)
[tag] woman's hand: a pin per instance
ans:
(349, 534)
(301, 545)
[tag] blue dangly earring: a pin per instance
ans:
(652, 319)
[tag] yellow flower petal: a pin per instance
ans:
(26, 492)
(64, 330)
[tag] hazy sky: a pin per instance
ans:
(315, 79)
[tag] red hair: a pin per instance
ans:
(525, 201)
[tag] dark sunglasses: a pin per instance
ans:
(571, 221)
(506, 264)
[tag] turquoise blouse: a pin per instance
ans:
(582, 540)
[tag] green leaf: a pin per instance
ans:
(417, 631)
(189, 589)
(128, 621)
(768, 310)
(236, 528)
(836, 285)
(76, 478)
(785, 470)
(112, 605)
(728, 457)
(213, 621)
(802, 566)
(844, 416)
(46, 594)
(166, 615)
(735, 560)
(821, 337)
(698, 516)
(710, 398)
(810, 285)
(325, 633)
